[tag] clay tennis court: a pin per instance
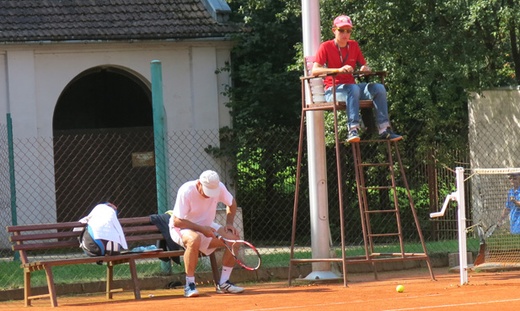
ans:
(485, 291)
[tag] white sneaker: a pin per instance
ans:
(228, 287)
(191, 291)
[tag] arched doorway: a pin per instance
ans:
(103, 144)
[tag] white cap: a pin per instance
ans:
(210, 183)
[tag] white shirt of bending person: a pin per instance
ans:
(105, 225)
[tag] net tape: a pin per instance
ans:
(494, 171)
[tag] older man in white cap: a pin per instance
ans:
(193, 227)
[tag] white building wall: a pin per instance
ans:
(21, 93)
(223, 79)
(204, 77)
(5, 194)
(3, 86)
(494, 124)
(32, 77)
(192, 92)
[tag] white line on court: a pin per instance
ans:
(401, 309)
(299, 307)
(455, 305)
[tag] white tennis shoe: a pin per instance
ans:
(191, 291)
(228, 287)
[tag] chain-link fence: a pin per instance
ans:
(63, 177)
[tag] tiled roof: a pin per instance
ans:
(65, 20)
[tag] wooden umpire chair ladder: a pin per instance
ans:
(368, 210)
(314, 84)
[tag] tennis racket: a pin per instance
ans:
(483, 234)
(245, 254)
(489, 231)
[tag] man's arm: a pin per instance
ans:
(514, 201)
(505, 213)
(318, 69)
(365, 67)
(231, 211)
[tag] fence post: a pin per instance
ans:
(160, 146)
(12, 183)
(159, 139)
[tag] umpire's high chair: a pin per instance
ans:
(368, 212)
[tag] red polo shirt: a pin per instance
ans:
(328, 55)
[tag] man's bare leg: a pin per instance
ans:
(228, 262)
(191, 242)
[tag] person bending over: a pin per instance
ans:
(193, 227)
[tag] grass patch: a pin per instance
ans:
(85, 273)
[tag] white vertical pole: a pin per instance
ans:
(319, 210)
(461, 217)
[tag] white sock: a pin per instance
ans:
(226, 273)
(190, 279)
(383, 127)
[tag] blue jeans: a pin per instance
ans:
(352, 93)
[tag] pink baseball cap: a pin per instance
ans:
(210, 183)
(342, 21)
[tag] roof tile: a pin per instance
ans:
(63, 20)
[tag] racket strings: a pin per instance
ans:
(234, 248)
(245, 254)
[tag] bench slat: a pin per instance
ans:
(35, 227)
(138, 229)
(46, 245)
(44, 236)
(145, 237)
(82, 260)
(135, 220)
(162, 254)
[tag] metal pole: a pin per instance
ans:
(12, 180)
(458, 196)
(160, 145)
(159, 137)
(319, 210)
(463, 260)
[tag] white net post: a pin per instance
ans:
(461, 219)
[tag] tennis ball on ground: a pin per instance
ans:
(399, 288)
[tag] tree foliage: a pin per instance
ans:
(264, 91)
(435, 52)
